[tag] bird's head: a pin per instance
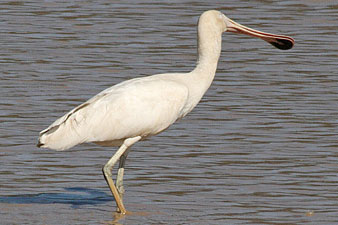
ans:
(220, 23)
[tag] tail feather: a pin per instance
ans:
(39, 144)
(61, 137)
(64, 132)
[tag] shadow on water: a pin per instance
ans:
(83, 196)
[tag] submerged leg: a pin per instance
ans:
(107, 171)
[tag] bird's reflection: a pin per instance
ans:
(75, 196)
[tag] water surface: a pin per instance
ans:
(260, 148)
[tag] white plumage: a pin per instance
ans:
(132, 110)
(137, 107)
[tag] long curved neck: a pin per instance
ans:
(198, 81)
(209, 51)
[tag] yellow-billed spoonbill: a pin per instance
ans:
(138, 108)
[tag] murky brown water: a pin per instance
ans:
(261, 148)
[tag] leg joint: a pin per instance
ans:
(107, 170)
(130, 141)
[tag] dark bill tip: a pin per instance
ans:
(283, 44)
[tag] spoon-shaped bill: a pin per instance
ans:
(279, 41)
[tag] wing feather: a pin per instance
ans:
(137, 107)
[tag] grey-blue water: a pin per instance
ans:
(260, 148)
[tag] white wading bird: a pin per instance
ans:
(138, 108)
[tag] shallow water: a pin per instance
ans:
(260, 148)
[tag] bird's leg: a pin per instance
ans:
(120, 173)
(107, 171)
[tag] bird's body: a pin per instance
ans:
(135, 109)
(138, 107)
